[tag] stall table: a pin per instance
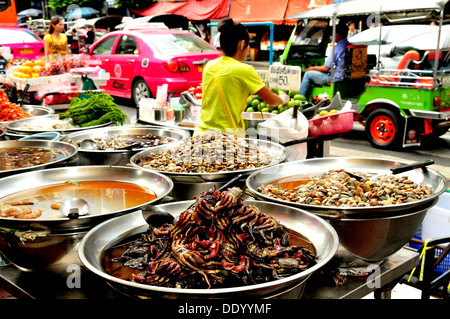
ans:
(68, 279)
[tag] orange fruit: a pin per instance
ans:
(34, 75)
(25, 69)
(36, 68)
(28, 63)
(40, 63)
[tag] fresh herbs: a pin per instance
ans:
(95, 110)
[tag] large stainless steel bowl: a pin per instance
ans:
(35, 243)
(37, 110)
(252, 119)
(69, 150)
(118, 157)
(15, 127)
(188, 185)
(156, 182)
(105, 235)
(375, 239)
(424, 176)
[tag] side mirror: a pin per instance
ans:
(86, 50)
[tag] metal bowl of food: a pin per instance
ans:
(23, 156)
(206, 161)
(37, 110)
(33, 225)
(252, 119)
(116, 144)
(95, 244)
(33, 125)
(295, 175)
(375, 239)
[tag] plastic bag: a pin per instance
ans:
(284, 128)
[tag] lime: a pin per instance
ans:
(333, 111)
(249, 101)
(299, 97)
(257, 97)
(323, 113)
(293, 93)
(266, 110)
(255, 104)
(250, 109)
(274, 91)
(275, 112)
(293, 103)
(284, 108)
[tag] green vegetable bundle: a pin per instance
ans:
(96, 109)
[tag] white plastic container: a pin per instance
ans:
(437, 221)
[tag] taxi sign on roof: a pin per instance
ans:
(147, 25)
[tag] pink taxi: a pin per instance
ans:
(140, 60)
(22, 42)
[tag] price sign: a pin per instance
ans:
(285, 77)
(264, 75)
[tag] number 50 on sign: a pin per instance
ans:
(285, 77)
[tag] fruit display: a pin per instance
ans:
(256, 104)
(37, 68)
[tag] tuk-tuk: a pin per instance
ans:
(398, 108)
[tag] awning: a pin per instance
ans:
(270, 11)
(191, 9)
(259, 10)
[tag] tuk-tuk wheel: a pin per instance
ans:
(384, 128)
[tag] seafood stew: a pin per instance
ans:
(21, 157)
(217, 242)
(102, 196)
(336, 188)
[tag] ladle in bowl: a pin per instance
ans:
(394, 170)
(74, 207)
(89, 144)
(156, 216)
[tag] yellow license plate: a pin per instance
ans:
(200, 67)
(26, 51)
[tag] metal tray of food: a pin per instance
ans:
(278, 153)
(310, 167)
(64, 152)
(46, 123)
(101, 209)
(316, 230)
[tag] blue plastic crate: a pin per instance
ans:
(444, 265)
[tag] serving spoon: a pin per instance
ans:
(74, 208)
(394, 170)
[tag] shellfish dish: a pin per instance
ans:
(217, 242)
(21, 157)
(337, 188)
(122, 141)
(209, 153)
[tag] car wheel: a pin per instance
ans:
(141, 91)
(384, 129)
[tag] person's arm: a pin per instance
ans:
(320, 68)
(46, 50)
(271, 98)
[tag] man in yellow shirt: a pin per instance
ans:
(227, 83)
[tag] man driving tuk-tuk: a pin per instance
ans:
(401, 107)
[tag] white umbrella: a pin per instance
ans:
(30, 13)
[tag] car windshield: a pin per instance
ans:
(17, 36)
(173, 44)
(312, 34)
(427, 41)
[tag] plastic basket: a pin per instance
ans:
(444, 265)
(331, 124)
